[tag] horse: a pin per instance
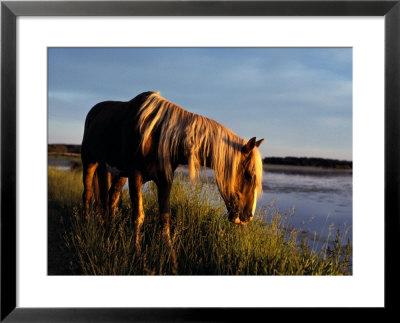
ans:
(145, 139)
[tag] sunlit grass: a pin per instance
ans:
(204, 241)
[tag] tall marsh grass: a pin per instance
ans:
(204, 241)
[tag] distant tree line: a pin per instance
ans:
(63, 148)
(309, 161)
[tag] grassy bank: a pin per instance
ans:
(204, 241)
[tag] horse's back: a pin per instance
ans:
(104, 112)
(99, 117)
(108, 127)
(102, 125)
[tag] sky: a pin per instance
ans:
(298, 99)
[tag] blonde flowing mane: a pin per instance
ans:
(200, 138)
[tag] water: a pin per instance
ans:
(320, 199)
(59, 163)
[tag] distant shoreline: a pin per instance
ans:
(309, 161)
(303, 170)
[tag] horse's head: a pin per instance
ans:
(241, 204)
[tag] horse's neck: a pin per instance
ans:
(195, 155)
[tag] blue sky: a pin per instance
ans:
(298, 99)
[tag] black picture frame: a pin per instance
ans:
(10, 10)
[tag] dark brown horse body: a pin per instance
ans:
(146, 139)
(111, 145)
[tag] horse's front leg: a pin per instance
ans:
(102, 186)
(135, 191)
(164, 191)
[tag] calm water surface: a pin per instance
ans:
(319, 199)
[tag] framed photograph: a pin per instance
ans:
(264, 137)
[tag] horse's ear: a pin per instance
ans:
(251, 144)
(258, 143)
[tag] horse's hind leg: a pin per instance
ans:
(135, 191)
(96, 189)
(114, 194)
(104, 183)
(88, 173)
